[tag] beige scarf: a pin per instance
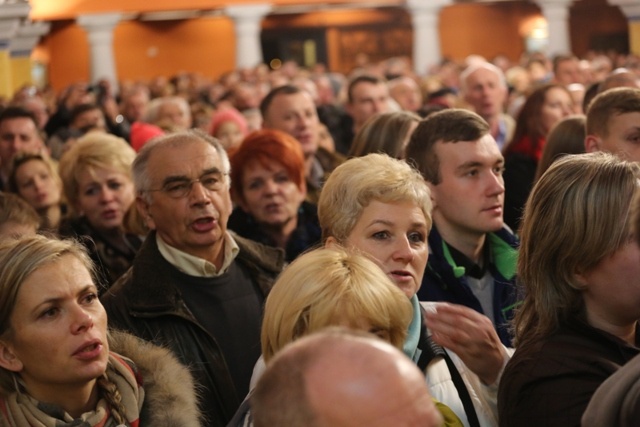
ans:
(21, 410)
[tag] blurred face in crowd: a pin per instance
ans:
(367, 100)
(269, 194)
(557, 105)
(486, 92)
(17, 134)
(104, 198)
(37, 184)
(296, 115)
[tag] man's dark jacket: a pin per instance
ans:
(147, 303)
(444, 281)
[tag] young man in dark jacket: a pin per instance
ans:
(472, 259)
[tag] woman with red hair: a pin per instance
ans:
(268, 186)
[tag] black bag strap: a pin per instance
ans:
(465, 397)
(430, 351)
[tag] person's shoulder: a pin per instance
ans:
(262, 256)
(170, 396)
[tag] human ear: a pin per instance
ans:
(432, 193)
(8, 359)
(331, 243)
(143, 208)
(592, 144)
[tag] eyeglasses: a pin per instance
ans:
(181, 187)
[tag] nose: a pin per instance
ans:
(270, 186)
(82, 319)
(198, 195)
(106, 195)
(402, 250)
(302, 122)
(495, 186)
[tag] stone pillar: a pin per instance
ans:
(247, 19)
(556, 13)
(426, 36)
(11, 14)
(99, 28)
(631, 9)
(20, 49)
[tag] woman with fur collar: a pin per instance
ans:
(59, 367)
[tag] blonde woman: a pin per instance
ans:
(328, 287)
(580, 271)
(381, 207)
(58, 366)
(97, 181)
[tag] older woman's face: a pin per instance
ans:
(58, 334)
(270, 196)
(395, 235)
(104, 196)
(37, 185)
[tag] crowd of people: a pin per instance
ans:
(296, 247)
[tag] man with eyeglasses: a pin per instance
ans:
(195, 287)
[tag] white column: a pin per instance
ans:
(99, 28)
(11, 15)
(247, 20)
(426, 36)
(26, 38)
(630, 8)
(556, 13)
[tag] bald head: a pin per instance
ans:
(342, 380)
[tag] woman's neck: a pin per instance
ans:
(75, 400)
(281, 234)
(50, 217)
(626, 331)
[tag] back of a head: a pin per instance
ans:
(330, 287)
(384, 133)
(17, 217)
(591, 192)
(566, 137)
(338, 378)
(612, 102)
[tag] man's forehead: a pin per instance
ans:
(22, 123)
(486, 147)
(188, 157)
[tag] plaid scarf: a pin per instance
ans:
(21, 410)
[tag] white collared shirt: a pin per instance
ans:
(196, 266)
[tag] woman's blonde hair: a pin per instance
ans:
(332, 286)
(19, 258)
(359, 181)
(577, 214)
(96, 150)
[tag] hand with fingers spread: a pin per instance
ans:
(471, 336)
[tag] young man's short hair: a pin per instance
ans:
(608, 104)
(450, 125)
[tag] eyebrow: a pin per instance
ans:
(475, 164)
(390, 224)
(174, 178)
(55, 300)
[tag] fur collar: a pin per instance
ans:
(170, 397)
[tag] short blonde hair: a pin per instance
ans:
(330, 285)
(18, 260)
(96, 150)
(359, 181)
(577, 214)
